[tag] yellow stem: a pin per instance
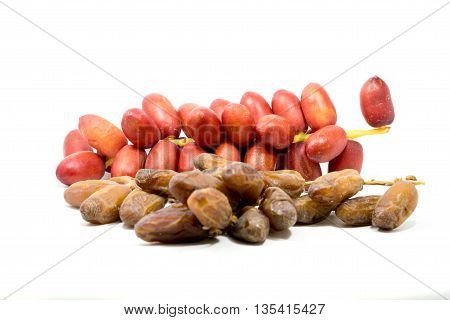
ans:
(351, 134)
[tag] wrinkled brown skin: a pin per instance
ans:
(164, 155)
(75, 142)
(279, 208)
(326, 143)
(238, 124)
(350, 158)
(310, 211)
(376, 103)
(183, 111)
(80, 191)
(211, 207)
(128, 161)
(298, 160)
(275, 131)
(218, 106)
(155, 181)
(163, 114)
(139, 128)
(79, 166)
(256, 104)
(187, 156)
(357, 211)
(102, 135)
(138, 204)
(261, 157)
(228, 151)
(287, 105)
(252, 226)
(317, 107)
(335, 187)
(183, 184)
(289, 181)
(244, 180)
(395, 206)
(174, 224)
(204, 126)
(207, 161)
(103, 206)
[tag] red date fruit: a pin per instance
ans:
(183, 111)
(238, 124)
(228, 151)
(298, 160)
(140, 129)
(174, 224)
(256, 104)
(326, 144)
(350, 158)
(187, 156)
(287, 105)
(218, 106)
(204, 125)
(164, 155)
(317, 107)
(102, 134)
(79, 166)
(376, 103)
(261, 157)
(163, 113)
(275, 131)
(75, 142)
(128, 161)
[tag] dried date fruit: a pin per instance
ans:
(357, 211)
(209, 161)
(244, 180)
(174, 224)
(155, 181)
(310, 211)
(289, 181)
(395, 206)
(335, 187)
(138, 204)
(211, 207)
(103, 206)
(279, 208)
(183, 184)
(252, 226)
(81, 190)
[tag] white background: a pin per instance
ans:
(197, 51)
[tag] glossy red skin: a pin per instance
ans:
(297, 160)
(128, 161)
(218, 106)
(287, 105)
(204, 125)
(317, 107)
(187, 155)
(351, 158)
(139, 128)
(102, 134)
(275, 131)
(163, 113)
(75, 142)
(228, 151)
(164, 155)
(79, 166)
(238, 124)
(326, 144)
(261, 157)
(256, 104)
(376, 103)
(183, 111)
